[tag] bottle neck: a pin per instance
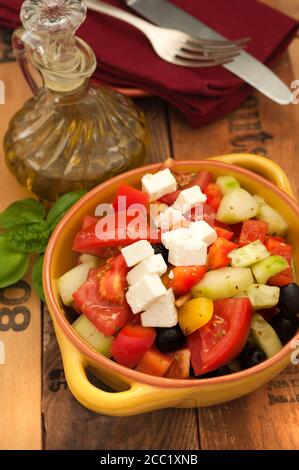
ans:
(71, 96)
(64, 61)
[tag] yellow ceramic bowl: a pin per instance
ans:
(137, 392)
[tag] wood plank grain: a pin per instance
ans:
(289, 7)
(20, 374)
(258, 126)
(68, 425)
(156, 113)
(64, 418)
(265, 419)
(269, 417)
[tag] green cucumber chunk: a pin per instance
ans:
(237, 206)
(93, 336)
(223, 283)
(276, 224)
(249, 254)
(227, 184)
(265, 336)
(84, 258)
(72, 280)
(259, 200)
(269, 267)
(262, 296)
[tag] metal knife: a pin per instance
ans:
(249, 69)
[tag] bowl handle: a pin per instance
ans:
(139, 398)
(261, 165)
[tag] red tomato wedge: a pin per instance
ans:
(89, 220)
(218, 253)
(180, 367)
(131, 344)
(208, 215)
(214, 195)
(236, 229)
(223, 233)
(253, 230)
(183, 278)
(127, 195)
(113, 231)
(101, 297)
(282, 279)
(202, 180)
(278, 246)
(154, 363)
(113, 280)
(223, 338)
(170, 198)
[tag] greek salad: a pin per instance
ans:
(188, 276)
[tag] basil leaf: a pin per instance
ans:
(28, 238)
(24, 211)
(61, 207)
(10, 260)
(37, 277)
(17, 274)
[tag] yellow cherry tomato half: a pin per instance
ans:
(194, 314)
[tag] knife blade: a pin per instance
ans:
(245, 66)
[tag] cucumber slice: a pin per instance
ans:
(262, 296)
(276, 224)
(223, 283)
(259, 200)
(265, 336)
(248, 254)
(237, 206)
(227, 183)
(93, 336)
(88, 258)
(269, 267)
(72, 280)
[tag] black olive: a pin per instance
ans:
(223, 370)
(289, 300)
(285, 327)
(251, 356)
(160, 249)
(169, 339)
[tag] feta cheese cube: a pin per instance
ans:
(168, 218)
(159, 184)
(153, 265)
(203, 231)
(137, 252)
(188, 252)
(173, 235)
(141, 295)
(162, 313)
(188, 198)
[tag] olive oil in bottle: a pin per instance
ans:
(70, 135)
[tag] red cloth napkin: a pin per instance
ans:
(126, 58)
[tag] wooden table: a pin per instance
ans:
(37, 409)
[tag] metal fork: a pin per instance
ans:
(175, 46)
